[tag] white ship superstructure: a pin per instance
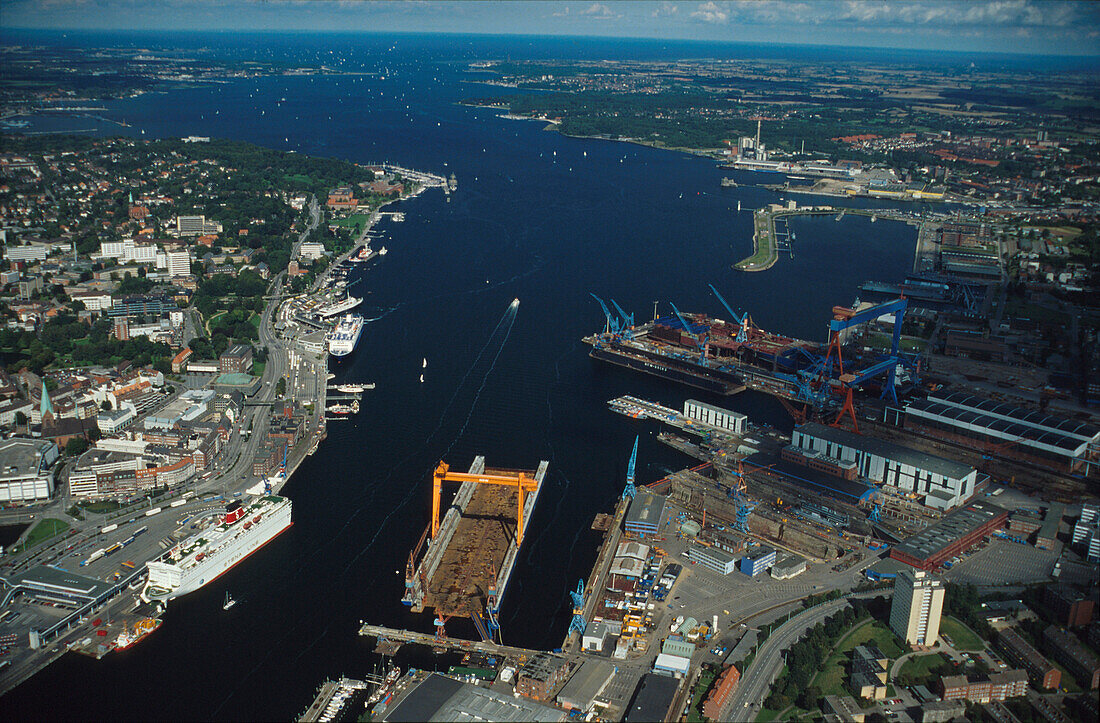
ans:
(339, 307)
(198, 560)
(345, 336)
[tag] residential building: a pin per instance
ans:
(1019, 652)
(942, 483)
(178, 263)
(916, 608)
(721, 692)
(1071, 607)
(1086, 532)
(998, 686)
(868, 672)
(844, 709)
(942, 711)
(1065, 648)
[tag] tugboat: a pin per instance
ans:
(229, 601)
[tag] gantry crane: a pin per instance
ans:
(701, 343)
(742, 320)
(577, 623)
(522, 481)
(630, 490)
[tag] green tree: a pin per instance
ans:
(76, 446)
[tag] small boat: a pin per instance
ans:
(229, 601)
(424, 364)
(421, 378)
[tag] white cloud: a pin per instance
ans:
(665, 9)
(710, 12)
(599, 11)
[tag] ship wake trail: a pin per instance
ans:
(508, 318)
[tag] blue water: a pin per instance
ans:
(536, 216)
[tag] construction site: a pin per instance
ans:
(462, 563)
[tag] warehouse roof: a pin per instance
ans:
(1002, 427)
(646, 509)
(585, 684)
(1031, 417)
(438, 698)
(882, 448)
(949, 529)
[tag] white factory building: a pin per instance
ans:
(708, 415)
(942, 484)
(26, 472)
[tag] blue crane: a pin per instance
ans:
(702, 344)
(628, 320)
(577, 623)
(741, 319)
(630, 490)
(612, 320)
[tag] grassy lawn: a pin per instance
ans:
(254, 320)
(1018, 307)
(44, 530)
(919, 665)
(701, 686)
(1068, 681)
(101, 506)
(879, 340)
(258, 368)
(832, 676)
(962, 637)
(767, 715)
(356, 221)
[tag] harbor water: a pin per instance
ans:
(536, 216)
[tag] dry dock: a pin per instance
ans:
(474, 552)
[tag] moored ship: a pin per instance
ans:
(342, 339)
(706, 353)
(209, 553)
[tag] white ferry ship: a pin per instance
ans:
(346, 304)
(345, 336)
(203, 557)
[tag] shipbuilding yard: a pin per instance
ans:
(472, 548)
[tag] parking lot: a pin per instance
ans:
(1004, 563)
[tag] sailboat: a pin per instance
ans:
(229, 601)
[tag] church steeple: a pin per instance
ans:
(46, 406)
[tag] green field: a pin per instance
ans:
(918, 667)
(355, 221)
(101, 506)
(258, 368)
(44, 530)
(962, 637)
(832, 676)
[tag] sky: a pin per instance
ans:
(1017, 26)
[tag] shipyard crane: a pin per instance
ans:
(522, 481)
(742, 319)
(612, 321)
(577, 623)
(627, 326)
(630, 490)
(702, 344)
(743, 504)
(492, 604)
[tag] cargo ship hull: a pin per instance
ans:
(711, 380)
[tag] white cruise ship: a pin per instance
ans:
(345, 336)
(203, 557)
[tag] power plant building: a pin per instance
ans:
(943, 484)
